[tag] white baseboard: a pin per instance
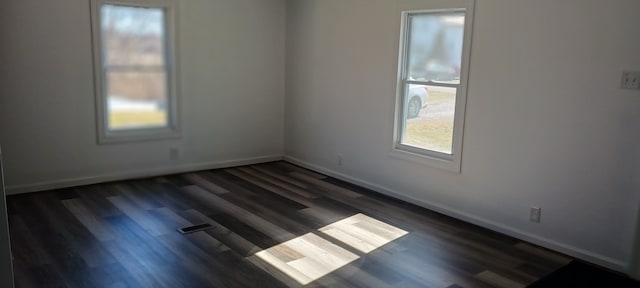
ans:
(513, 232)
(125, 175)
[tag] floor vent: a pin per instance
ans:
(195, 228)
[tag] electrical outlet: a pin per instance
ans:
(339, 159)
(534, 215)
(630, 80)
(174, 154)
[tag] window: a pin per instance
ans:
(134, 70)
(434, 53)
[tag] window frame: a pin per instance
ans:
(171, 130)
(450, 162)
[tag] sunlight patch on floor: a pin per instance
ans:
(309, 257)
(363, 232)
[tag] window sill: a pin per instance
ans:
(137, 136)
(452, 165)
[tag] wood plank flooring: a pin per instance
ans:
(274, 225)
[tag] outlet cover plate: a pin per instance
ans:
(535, 214)
(630, 80)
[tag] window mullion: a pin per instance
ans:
(432, 83)
(134, 68)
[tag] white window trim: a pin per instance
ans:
(453, 161)
(129, 135)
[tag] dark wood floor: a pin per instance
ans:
(274, 225)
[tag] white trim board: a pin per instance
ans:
(634, 266)
(513, 232)
(71, 182)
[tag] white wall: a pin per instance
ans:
(231, 56)
(546, 122)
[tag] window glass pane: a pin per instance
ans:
(132, 35)
(429, 119)
(136, 99)
(435, 46)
